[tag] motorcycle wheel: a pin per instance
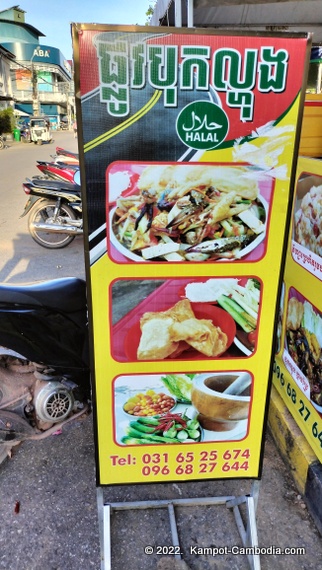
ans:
(43, 212)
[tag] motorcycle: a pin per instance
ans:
(58, 171)
(2, 142)
(55, 212)
(63, 152)
(66, 156)
(25, 136)
(44, 364)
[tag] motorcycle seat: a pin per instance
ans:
(61, 151)
(58, 164)
(56, 185)
(67, 166)
(66, 294)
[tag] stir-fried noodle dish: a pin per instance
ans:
(191, 213)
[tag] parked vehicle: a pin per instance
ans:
(40, 131)
(25, 134)
(67, 156)
(59, 171)
(35, 129)
(63, 125)
(44, 369)
(65, 152)
(55, 212)
(24, 126)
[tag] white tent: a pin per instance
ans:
(19, 113)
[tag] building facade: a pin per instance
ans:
(6, 94)
(41, 77)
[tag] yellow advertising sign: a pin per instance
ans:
(297, 369)
(188, 149)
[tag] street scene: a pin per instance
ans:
(21, 258)
(160, 316)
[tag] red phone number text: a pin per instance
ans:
(190, 463)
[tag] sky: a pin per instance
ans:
(54, 18)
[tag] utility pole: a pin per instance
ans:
(35, 101)
(34, 80)
(68, 110)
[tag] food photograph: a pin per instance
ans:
(181, 408)
(187, 212)
(187, 319)
(304, 342)
(308, 213)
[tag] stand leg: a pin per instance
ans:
(248, 534)
(104, 523)
(107, 538)
(255, 493)
(173, 525)
(251, 534)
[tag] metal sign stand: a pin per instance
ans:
(248, 531)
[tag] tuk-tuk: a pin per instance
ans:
(40, 130)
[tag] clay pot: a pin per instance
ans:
(218, 411)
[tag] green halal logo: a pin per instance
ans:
(202, 125)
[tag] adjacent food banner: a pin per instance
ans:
(298, 365)
(188, 141)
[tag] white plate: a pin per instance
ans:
(135, 257)
(242, 347)
(318, 408)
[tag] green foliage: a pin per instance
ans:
(7, 121)
(150, 11)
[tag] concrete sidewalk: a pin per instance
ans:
(49, 514)
(299, 459)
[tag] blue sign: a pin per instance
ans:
(38, 54)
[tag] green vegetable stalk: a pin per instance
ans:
(246, 321)
(179, 385)
(166, 428)
(131, 432)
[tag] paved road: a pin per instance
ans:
(22, 259)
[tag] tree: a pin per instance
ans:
(7, 121)
(150, 11)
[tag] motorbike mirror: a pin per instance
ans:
(77, 179)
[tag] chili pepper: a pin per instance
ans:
(175, 417)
